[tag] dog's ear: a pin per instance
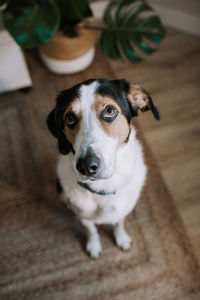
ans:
(139, 99)
(55, 126)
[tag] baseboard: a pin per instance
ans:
(170, 17)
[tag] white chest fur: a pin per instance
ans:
(127, 181)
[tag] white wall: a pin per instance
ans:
(180, 14)
(191, 7)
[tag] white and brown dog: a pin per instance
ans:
(101, 167)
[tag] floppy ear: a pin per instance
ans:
(54, 124)
(140, 99)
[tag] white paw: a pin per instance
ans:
(123, 240)
(94, 247)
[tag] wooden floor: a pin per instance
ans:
(172, 76)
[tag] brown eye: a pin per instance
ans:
(70, 120)
(110, 111)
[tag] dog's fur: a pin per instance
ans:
(101, 167)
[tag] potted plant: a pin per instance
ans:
(64, 30)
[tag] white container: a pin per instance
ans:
(67, 55)
(60, 66)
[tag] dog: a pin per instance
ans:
(101, 168)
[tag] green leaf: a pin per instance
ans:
(151, 26)
(109, 46)
(121, 9)
(107, 14)
(30, 22)
(133, 13)
(128, 50)
(126, 24)
(142, 45)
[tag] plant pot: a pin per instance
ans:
(66, 55)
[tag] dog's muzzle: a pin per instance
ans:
(88, 165)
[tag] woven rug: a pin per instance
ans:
(42, 245)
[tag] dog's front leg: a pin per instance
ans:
(122, 238)
(93, 243)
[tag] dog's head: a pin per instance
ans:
(92, 120)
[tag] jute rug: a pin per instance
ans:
(42, 256)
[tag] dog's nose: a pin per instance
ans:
(88, 165)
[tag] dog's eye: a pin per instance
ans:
(70, 119)
(109, 113)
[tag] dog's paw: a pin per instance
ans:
(123, 240)
(94, 247)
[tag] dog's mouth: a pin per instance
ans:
(88, 179)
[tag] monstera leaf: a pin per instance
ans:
(31, 22)
(128, 30)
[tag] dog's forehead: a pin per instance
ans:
(88, 94)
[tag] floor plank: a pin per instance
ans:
(172, 76)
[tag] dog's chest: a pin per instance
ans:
(113, 210)
(103, 209)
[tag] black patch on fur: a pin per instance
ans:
(55, 120)
(153, 108)
(127, 139)
(59, 186)
(117, 90)
(55, 126)
(133, 110)
(102, 192)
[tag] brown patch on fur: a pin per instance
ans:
(71, 133)
(119, 128)
(75, 107)
(137, 96)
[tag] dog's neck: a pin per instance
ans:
(100, 192)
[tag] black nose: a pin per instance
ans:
(88, 165)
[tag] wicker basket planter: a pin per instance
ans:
(66, 55)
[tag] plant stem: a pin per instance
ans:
(100, 28)
(94, 27)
